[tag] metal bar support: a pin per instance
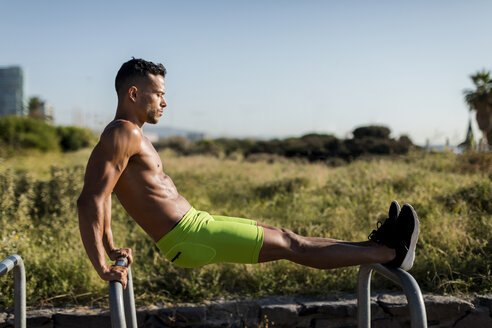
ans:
(15, 262)
(122, 302)
(418, 316)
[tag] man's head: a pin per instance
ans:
(141, 84)
(134, 71)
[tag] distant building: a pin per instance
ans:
(12, 91)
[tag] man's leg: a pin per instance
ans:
(320, 253)
(322, 240)
(393, 244)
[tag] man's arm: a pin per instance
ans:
(106, 164)
(113, 253)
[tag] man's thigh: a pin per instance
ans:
(235, 240)
(278, 244)
(225, 239)
(221, 218)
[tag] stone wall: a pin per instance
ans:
(388, 310)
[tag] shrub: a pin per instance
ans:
(181, 145)
(73, 138)
(474, 163)
(321, 147)
(208, 147)
(477, 197)
(403, 145)
(373, 131)
(17, 133)
(27, 133)
(232, 145)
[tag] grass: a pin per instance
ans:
(450, 193)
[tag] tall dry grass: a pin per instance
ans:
(452, 195)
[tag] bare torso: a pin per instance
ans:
(125, 162)
(148, 194)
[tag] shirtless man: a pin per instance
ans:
(125, 162)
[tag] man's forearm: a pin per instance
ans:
(91, 225)
(108, 242)
(108, 233)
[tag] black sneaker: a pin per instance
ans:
(407, 230)
(394, 210)
(385, 233)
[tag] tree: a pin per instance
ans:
(480, 100)
(374, 131)
(35, 108)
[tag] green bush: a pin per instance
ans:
(371, 140)
(73, 138)
(27, 133)
(21, 133)
(229, 146)
(372, 131)
(208, 147)
(181, 145)
(477, 198)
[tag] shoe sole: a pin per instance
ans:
(407, 263)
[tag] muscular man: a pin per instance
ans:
(125, 162)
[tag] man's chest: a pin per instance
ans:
(147, 159)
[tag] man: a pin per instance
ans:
(125, 162)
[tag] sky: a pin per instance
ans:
(260, 69)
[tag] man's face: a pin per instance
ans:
(151, 100)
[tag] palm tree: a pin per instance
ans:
(480, 100)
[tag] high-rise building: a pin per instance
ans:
(11, 91)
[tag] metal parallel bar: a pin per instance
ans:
(129, 301)
(16, 263)
(116, 305)
(418, 316)
(20, 294)
(364, 297)
(122, 302)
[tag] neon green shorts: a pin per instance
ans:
(200, 238)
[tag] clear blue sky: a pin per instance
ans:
(260, 68)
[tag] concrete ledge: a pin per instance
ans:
(387, 310)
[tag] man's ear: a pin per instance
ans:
(132, 93)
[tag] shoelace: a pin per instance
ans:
(381, 231)
(379, 224)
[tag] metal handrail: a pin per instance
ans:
(15, 262)
(418, 316)
(122, 302)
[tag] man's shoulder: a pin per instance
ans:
(121, 134)
(121, 129)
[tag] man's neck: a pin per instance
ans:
(127, 114)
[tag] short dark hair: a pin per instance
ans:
(136, 68)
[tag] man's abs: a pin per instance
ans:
(151, 199)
